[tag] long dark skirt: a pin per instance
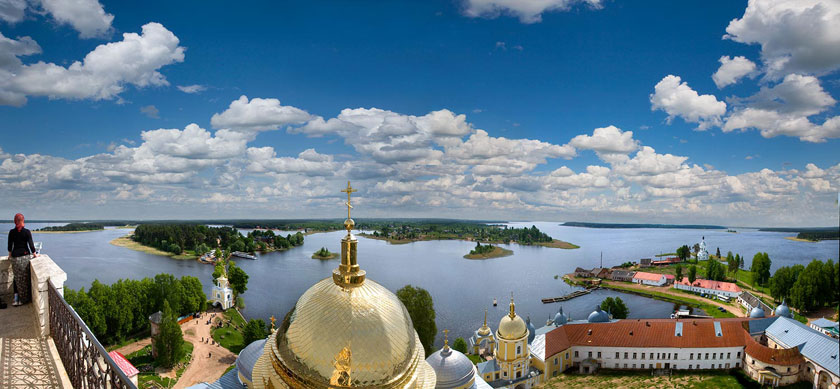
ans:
(20, 266)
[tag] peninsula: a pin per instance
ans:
(631, 225)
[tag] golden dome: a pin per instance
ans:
(512, 326)
(346, 331)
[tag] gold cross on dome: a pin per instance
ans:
(446, 337)
(272, 322)
(348, 190)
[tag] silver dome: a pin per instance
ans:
(452, 368)
(783, 310)
(598, 316)
(757, 312)
(532, 331)
(248, 358)
(560, 318)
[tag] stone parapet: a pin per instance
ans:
(45, 270)
(6, 279)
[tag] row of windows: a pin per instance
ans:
(663, 355)
(694, 367)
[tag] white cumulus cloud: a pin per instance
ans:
(86, 16)
(528, 11)
(258, 115)
(676, 98)
(732, 69)
(796, 36)
(103, 73)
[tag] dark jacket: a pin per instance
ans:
(20, 242)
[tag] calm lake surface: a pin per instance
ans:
(461, 288)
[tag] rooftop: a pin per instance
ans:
(709, 284)
(814, 345)
(647, 276)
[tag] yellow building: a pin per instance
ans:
(511, 367)
(345, 331)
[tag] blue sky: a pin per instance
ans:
(517, 71)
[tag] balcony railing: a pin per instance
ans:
(85, 360)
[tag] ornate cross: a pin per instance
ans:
(446, 338)
(272, 322)
(348, 190)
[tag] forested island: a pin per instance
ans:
(73, 227)
(487, 251)
(398, 233)
(188, 241)
(815, 236)
(324, 254)
(630, 225)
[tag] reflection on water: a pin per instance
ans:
(461, 288)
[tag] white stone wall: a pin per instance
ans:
(706, 290)
(6, 279)
(677, 358)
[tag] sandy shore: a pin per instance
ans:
(127, 242)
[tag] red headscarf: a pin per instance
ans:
(19, 221)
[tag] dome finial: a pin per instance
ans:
(485, 317)
(348, 273)
(512, 313)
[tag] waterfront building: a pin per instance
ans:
(650, 278)
(666, 261)
(582, 273)
(645, 262)
(720, 288)
(825, 326)
(703, 254)
(750, 301)
(622, 275)
(221, 295)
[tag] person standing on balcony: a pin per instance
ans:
(21, 250)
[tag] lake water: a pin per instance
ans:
(461, 288)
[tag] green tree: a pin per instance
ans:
(731, 265)
(715, 271)
(460, 344)
(718, 253)
(421, 308)
(194, 298)
(781, 283)
(678, 272)
(683, 252)
(761, 268)
(238, 279)
(218, 270)
(170, 341)
(616, 307)
(254, 330)
(692, 274)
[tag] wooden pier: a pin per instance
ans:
(567, 297)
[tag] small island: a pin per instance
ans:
(324, 254)
(490, 233)
(73, 227)
(487, 251)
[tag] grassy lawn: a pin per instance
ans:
(643, 379)
(142, 359)
(234, 316)
(710, 309)
(230, 336)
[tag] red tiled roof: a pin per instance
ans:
(647, 276)
(666, 261)
(709, 284)
(124, 364)
(669, 277)
(646, 333)
(772, 356)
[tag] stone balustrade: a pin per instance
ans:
(43, 270)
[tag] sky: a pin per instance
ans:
(718, 112)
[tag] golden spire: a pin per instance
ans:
(273, 328)
(512, 313)
(445, 339)
(348, 274)
(485, 317)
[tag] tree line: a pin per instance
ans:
(266, 239)
(177, 238)
(75, 227)
(115, 312)
(807, 288)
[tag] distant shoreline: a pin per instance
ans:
(795, 239)
(642, 225)
(556, 243)
(64, 232)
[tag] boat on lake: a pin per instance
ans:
(240, 254)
